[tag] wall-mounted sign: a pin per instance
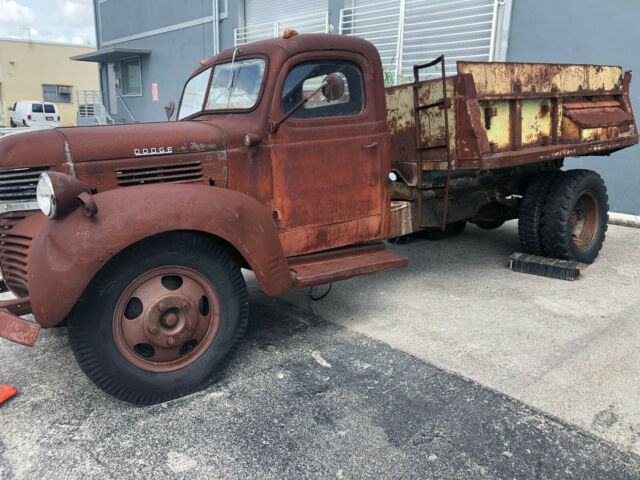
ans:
(154, 92)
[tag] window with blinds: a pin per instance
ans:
(56, 93)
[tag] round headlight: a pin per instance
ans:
(46, 196)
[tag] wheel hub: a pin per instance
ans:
(166, 318)
(585, 219)
(170, 320)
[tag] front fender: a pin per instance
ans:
(68, 252)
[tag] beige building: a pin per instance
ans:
(44, 72)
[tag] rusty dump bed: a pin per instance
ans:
(508, 114)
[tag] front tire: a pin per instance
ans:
(574, 222)
(160, 320)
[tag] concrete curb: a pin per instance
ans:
(624, 219)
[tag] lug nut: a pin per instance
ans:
(162, 306)
(185, 305)
(171, 341)
(190, 325)
(154, 329)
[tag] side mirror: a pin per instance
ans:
(11, 109)
(333, 88)
(169, 109)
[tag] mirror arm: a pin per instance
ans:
(275, 125)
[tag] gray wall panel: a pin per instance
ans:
(587, 31)
(121, 18)
(175, 55)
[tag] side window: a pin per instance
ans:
(36, 108)
(303, 79)
(131, 76)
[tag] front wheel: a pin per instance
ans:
(161, 319)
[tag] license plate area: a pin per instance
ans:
(49, 119)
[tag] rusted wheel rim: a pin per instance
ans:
(166, 318)
(585, 219)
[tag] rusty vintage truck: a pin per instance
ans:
(289, 157)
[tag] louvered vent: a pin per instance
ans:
(174, 173)
(13, 254)
(19, 184)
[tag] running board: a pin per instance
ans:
(343, 263)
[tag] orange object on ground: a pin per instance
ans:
(6, 392)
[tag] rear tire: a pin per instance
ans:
(13, 125)
(452, 229)
(574, 222)
(530, 212)
(160, 320)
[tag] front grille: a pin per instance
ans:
(19, 184)
(14, 249)
(174, 173)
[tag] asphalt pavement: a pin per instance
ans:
(454, 367)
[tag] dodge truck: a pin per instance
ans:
(290, 158)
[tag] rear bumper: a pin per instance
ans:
(15, 328)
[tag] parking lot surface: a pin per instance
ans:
(453, 367)
(567, 348)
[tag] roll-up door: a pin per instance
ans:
(268, 19)
(409, 32)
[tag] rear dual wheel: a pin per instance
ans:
(574, 222)
(161, 319)
(564, 215)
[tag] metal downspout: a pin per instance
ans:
(216, 27)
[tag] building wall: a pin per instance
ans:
(587, 31)
(26, 66)
(176, 46)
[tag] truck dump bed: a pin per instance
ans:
(508, 114)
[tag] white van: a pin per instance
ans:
(29, 114)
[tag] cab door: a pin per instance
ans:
(329, 158)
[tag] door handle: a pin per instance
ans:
(372, 145)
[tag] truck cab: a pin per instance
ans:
(322, 171)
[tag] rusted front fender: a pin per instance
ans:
(67, 253)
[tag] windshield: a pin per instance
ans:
(243, 89)
(193, 96)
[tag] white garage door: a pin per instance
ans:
(267, 19)
(409, 32)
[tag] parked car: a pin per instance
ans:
(27, 113)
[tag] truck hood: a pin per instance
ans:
(83, 144)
